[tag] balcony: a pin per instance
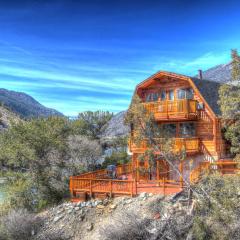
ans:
(181, 109)
(190, 145)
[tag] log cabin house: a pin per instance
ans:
(188, 108)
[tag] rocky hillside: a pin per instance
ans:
(103, 219)
(24, 105)
(6, 118)
(219, 73)
(116, 127)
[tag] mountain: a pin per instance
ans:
(25, 105)
(220, 73)
(116, 127)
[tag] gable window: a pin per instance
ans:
(150, 97)
(186, 93)
(171, 95)
(187, 130)
(163, 95)
(155, 96)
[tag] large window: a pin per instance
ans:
(169, 129)
(171, 95)
(186, 93)
(187, 130)
(151, 97)
(163, 95)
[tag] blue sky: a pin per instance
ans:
(89, 55)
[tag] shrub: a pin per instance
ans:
(217, 217)
(127, 226)
(116, 158)
(20, 225)
(52, 235)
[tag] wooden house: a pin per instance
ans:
(188, 108)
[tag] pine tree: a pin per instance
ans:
(230, 105)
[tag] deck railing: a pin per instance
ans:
(181, 108)
(190, 145)
(222, 167)
(99, 182)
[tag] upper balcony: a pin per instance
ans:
(189, 145)
(181, 109)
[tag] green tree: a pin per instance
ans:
(229, 95)
(39, 147)
(145, 129)
(91, 123)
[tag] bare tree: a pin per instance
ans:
(84, 153)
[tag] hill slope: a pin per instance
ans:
(25, 105)
(116, 127)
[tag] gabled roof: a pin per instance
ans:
(207, 88)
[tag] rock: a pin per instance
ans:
(100, 206)
(129, 201)
(113, 206)
(143, 195)
(70, 211)
(56, 219)
(150, 194)
(60, 211)
(77, 208)
(90, 227)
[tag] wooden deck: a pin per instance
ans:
(98, 184)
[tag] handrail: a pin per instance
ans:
(218, 166)
(188, 144)
(120, 169)
(172, 106)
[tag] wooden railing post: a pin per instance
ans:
(91, 188)
(110, 182)
(164, 186)
(71, 185)
(132, 189)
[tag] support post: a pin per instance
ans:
(110, 188)
(90, 188)
(164, 186)
(181, 171)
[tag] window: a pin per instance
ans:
(181, 93)
(169, 129)
(189, 93)
(171, 95)
(149, 97)
(163, 95)
(152, 97)
(186, 93)
(155, 96)
(187, 130)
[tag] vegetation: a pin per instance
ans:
(41, 154)
(119, 155)
(19, 225)
(145, 129)
(91, 124)
(230, 105)
(218, 219)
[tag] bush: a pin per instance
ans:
(217, 216)
(53, 235)
(20, 225)
(128, 226)
(116, 158)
